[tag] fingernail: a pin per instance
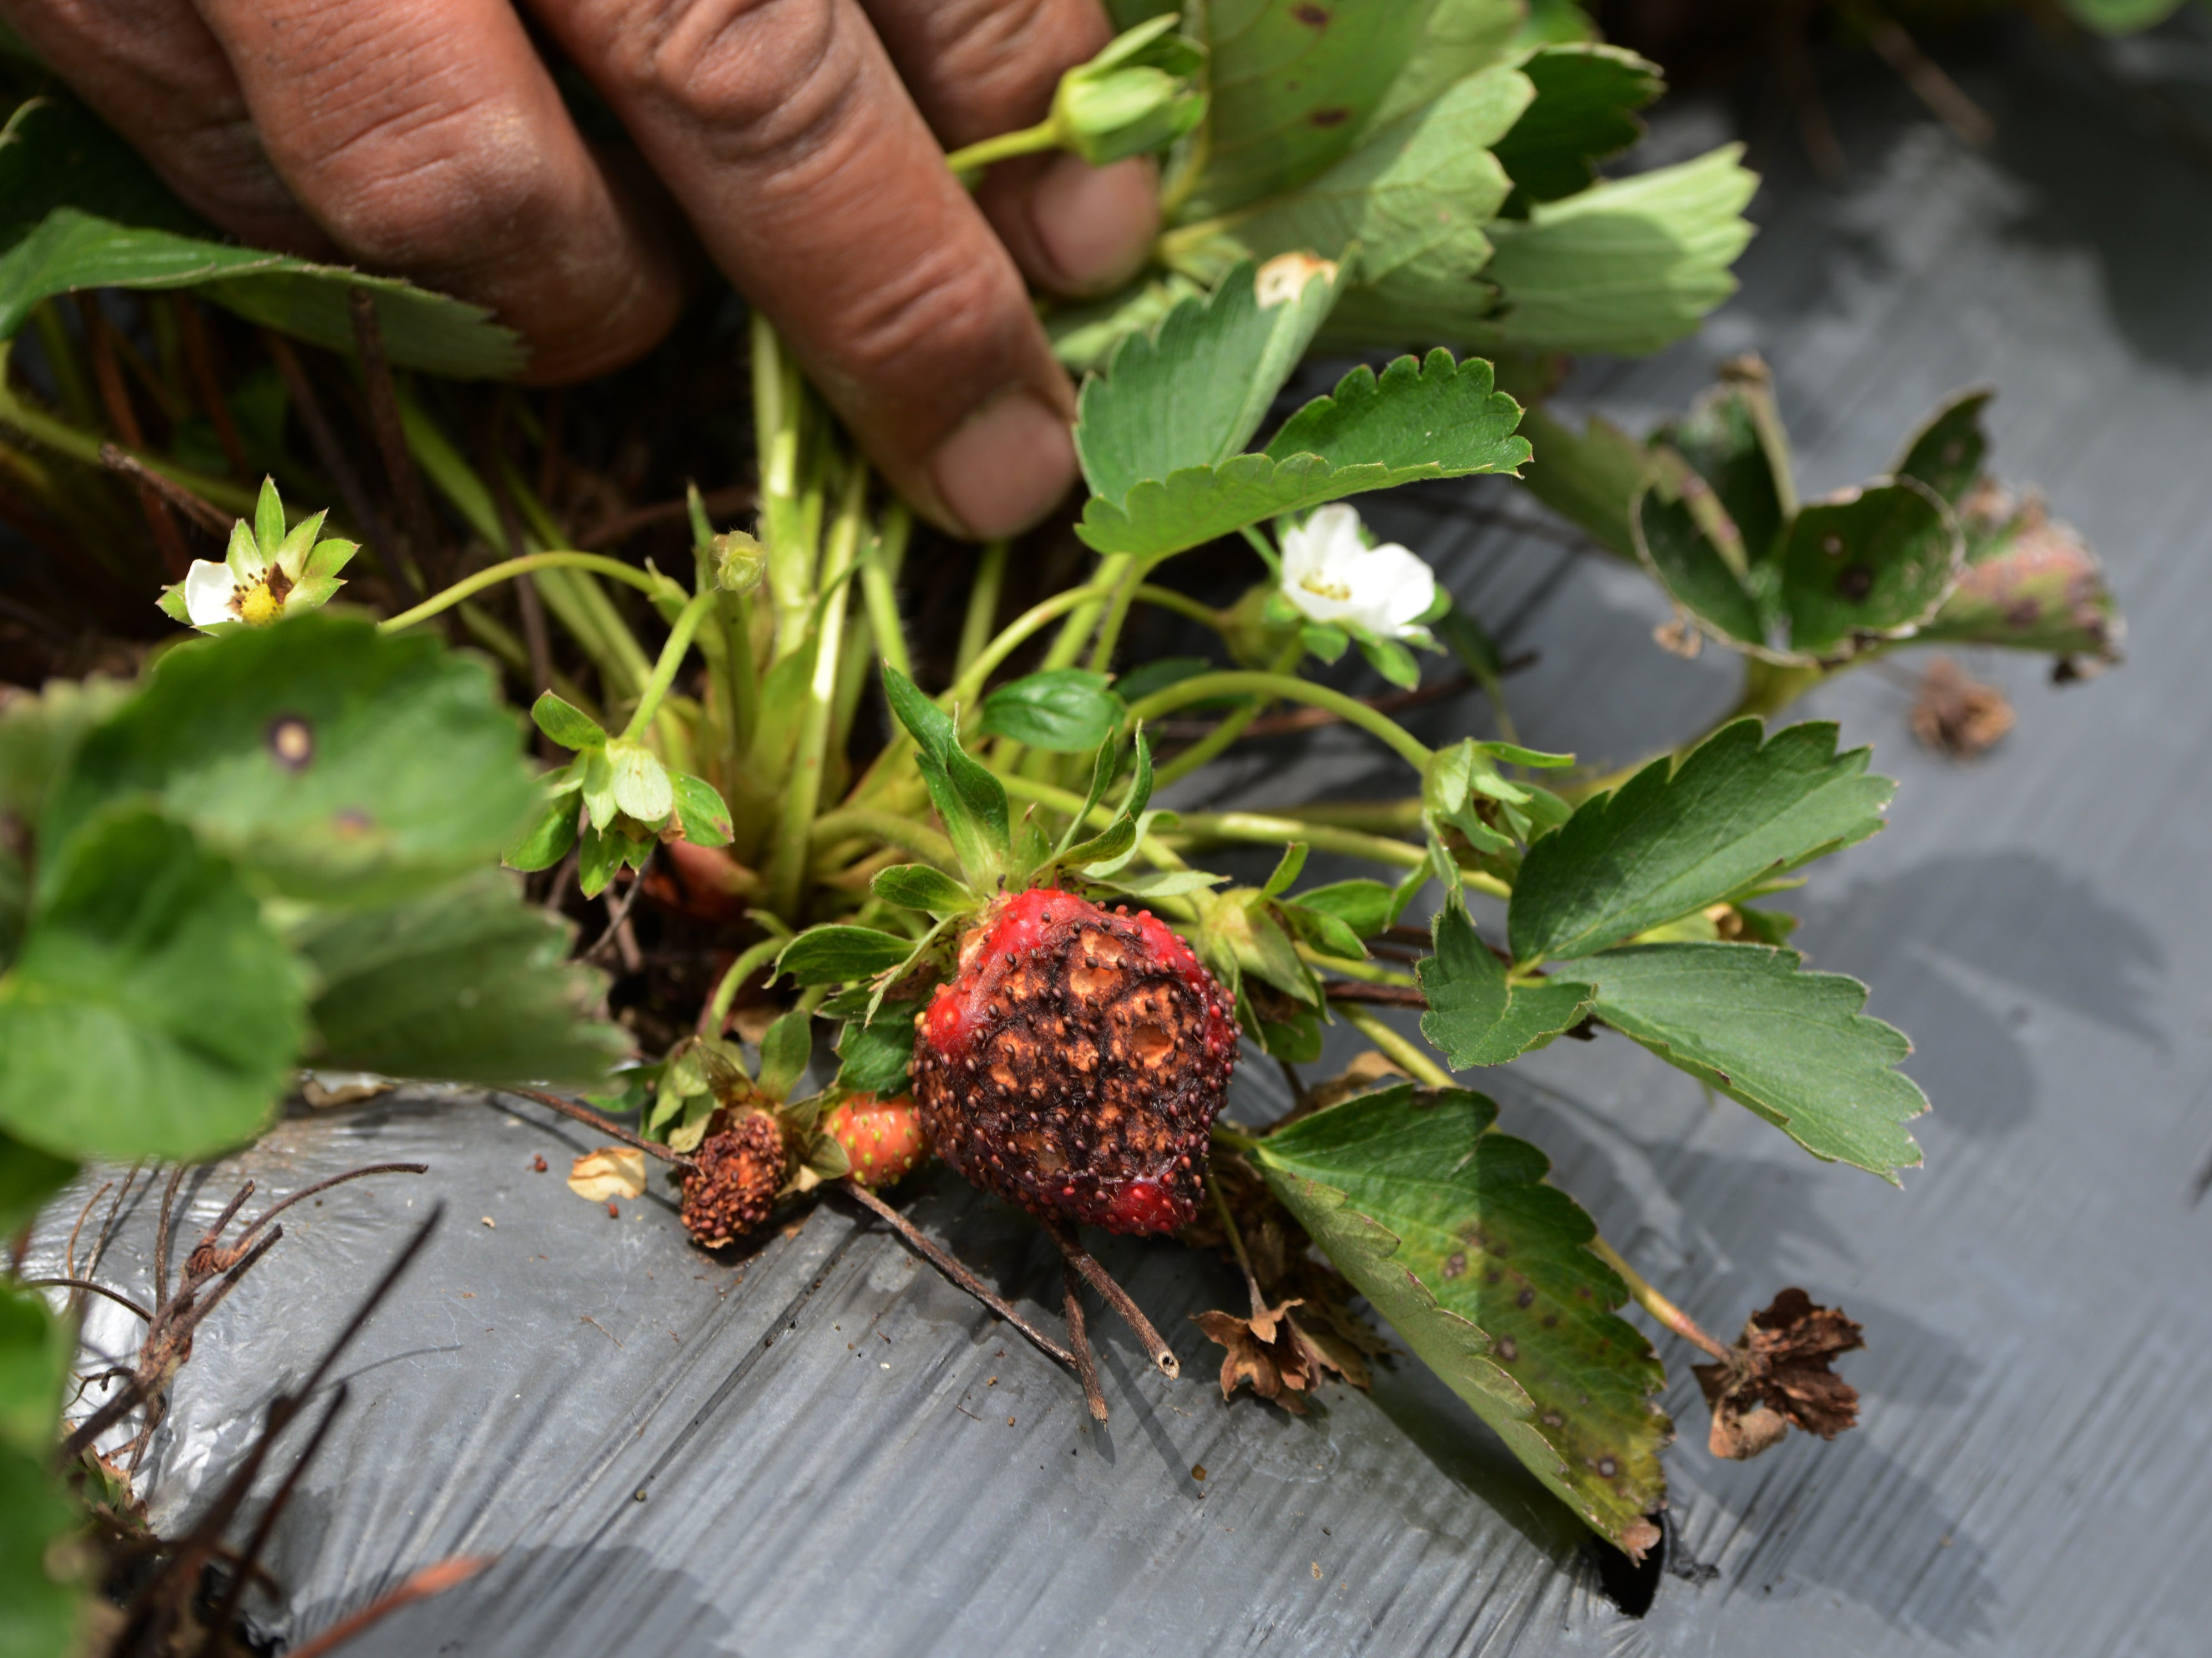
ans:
(1097, 223)
(1005, 467)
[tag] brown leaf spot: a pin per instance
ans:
(1856, 583)
(1454, 1263)
(1331, 115)
(292, 742)
(1314, 17)
(1778, 1375)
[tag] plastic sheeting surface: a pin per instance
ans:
(824, 1448)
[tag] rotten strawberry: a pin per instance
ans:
(1075, 1062)
(733, 1180)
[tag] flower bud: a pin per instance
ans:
(1140, 93)
(740, 562)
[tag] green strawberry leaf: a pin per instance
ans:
(1459, 37)
(1413, 198)
(786, 1048)
(466, 984)
(1792, 1046)
(150, 1012)
(1193, 391)
(298, 751)
(876, 1052)
(834, 952)
(701, 811)
(28, 1177)
(1587, 97)
(1948, 451)
(1589, 477)
(1293, 87)
(566, 724)
(1436, 419)
(1366, 907)
(1485, 1273)
(1691, 566)
(970, 800)
(639, 783)
(1627, 267)
(1676, 838)
(600, 854)
(1475, 1016)
(1064, 710)
(918, 886)
(1733, 437)
(42, 1617)
(1872, 562)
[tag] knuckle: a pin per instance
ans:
(764, 77)
(942, 308)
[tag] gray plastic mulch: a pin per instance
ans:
(822, 1448)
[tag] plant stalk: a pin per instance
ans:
(1657, 1305)
(1290, 688)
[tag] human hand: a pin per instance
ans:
(802, 140)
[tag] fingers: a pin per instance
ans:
(425, 136)
(782, 127)
(156, 74)
(978, 68)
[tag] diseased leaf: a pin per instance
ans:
(701, 811)
(1873, 561)
(1475, 1017)
(1733, 437)
(298, 751)
(2031, 584)
(1193, 393)
(833, 953)
(1413, 198)
(1674, 839)
(150, 1012)
(1587, 97)
(1293, 84)
(466, 984)
(1690, 566)
(1065, 710)
(1792, 1046)
(1627, 266)
(1461, 37)
(1485, 1271)
(1946, 452)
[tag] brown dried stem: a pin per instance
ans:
(66, 1282)
(416, 521)
(1116, 1297)
(1345, 990)
(431, 1580)
(202, 512)
(1657, 1305)
(1079, 1336)
(584, 1114)
(931, 1251)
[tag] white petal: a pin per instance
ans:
(208, 588)
(1321, 563)
(1395, 586)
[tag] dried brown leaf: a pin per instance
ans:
(1958, 716)
(1777, 1375)
(610, 1172)
(1268, 1350)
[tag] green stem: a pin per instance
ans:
(907, 834)
(778, 417)
(1230, 729)
(878, 577)
(1395, 1045)
(749, 963)
(1109, 633)
(969, 686)
(1366, 972)
(1657, 1305)
(1261, 829)
(1167, 599)
(982, 606)
(1203, 687)
(470, 586)
(786, 870)
(974, 158)
(672, 658)
(1076, 630)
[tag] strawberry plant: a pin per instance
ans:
(949, 864)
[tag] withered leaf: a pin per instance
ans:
(1779, 1376)
(1268, 1349)
(1958, 716)
(610, 1172)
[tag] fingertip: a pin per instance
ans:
(1095, 225)
(1005, 466)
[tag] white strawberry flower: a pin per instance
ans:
(267, 573)
(1333, 577)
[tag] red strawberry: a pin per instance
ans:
(882, 1138)
(1075, 1063)
(736, 1173)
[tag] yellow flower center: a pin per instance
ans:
(257, 605)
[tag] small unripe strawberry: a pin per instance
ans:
(882, 1139)
(1075, 1062)
(736, 1173)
